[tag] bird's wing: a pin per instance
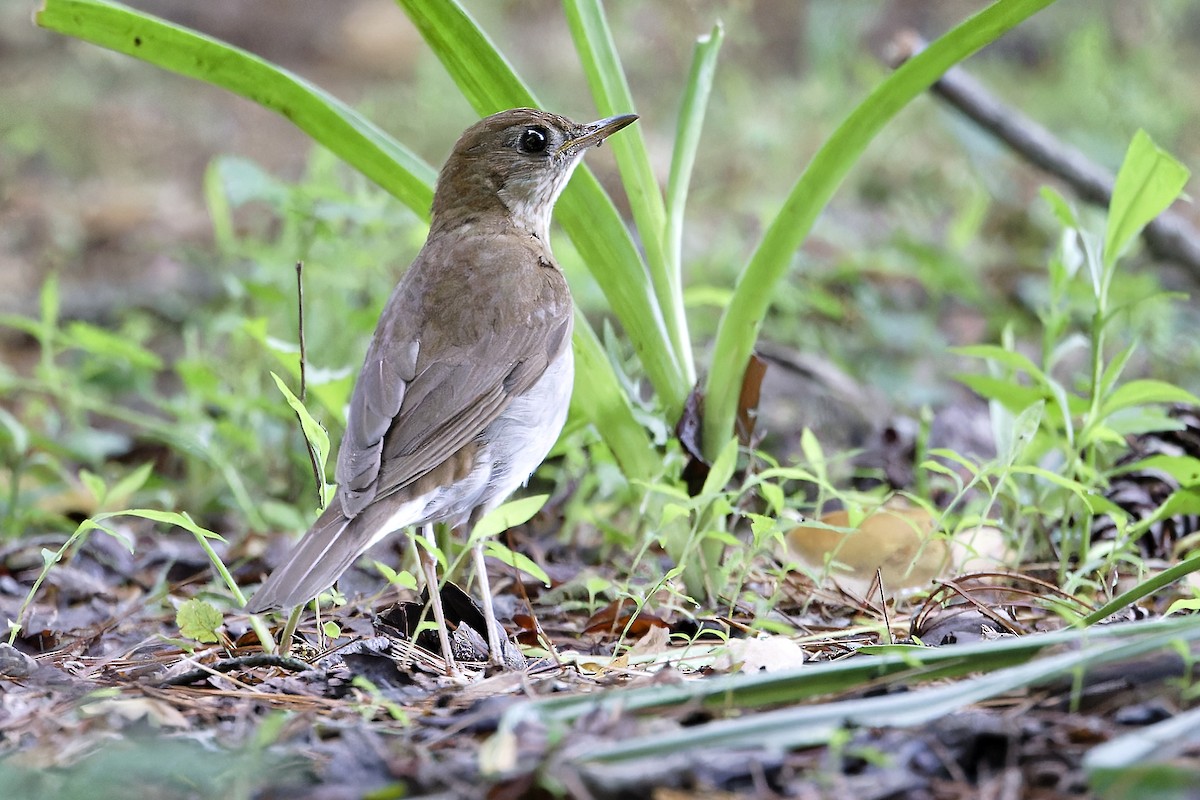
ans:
(445, 362)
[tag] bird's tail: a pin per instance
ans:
(326, 551)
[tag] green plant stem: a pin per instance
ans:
(263, 632)
(757, 285)
(48, 561)
(1096, 389)
(284, 645)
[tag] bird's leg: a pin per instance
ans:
(495, 648)
(429, 562)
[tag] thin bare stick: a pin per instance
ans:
(1170, 237)
(300, 325)
(313, 462)
(241, 662)
(887, 622)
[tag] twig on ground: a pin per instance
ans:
(230, 664)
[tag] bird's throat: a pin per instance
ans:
(530, 203)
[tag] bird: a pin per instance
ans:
(467, 379)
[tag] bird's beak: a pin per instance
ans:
(596, 132)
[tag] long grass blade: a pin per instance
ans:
(756, 286)
(602, 65)
(687, 140)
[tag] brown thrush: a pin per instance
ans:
(467, 379)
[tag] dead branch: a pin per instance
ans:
(1169, 237)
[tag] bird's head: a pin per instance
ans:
(517, 163)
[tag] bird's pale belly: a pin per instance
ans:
(515, 444)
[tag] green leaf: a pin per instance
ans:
(810, 446)
(1012, 396)
(181, 520)
(1061, 208)
(204, 537)
(722, 469)
(1016, 433)
(762, 526)
(1116, 366)
(683, 159)
(24, 324)
(517, 560)
(1185, 500)
(1143, 419)
(404, 579)
(315, 435)
(95, 485)
(1184, 469)
(1181, 606)
(1099, 505)
(1149, 181)
(600, 399)
(1005, 357)
(672, 512)
(1077, 488)
(131, 483)
(509, 515)
(722, 537)
(1141, 392)
(199, 620)
(773, 494)
(757, 285)
(100, 342)
(243, 181)
(16, 433)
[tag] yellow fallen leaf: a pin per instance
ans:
(898, 542)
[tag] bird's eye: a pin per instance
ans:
(534, 140)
